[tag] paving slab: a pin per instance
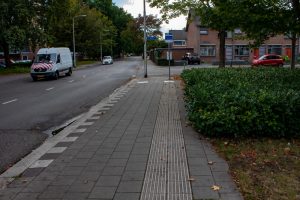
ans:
(139, 148)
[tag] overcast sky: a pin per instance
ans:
(135, 7)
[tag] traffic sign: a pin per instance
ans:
(168, 37)
(151, 38)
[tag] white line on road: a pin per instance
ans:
(7, 102)
(48, 89)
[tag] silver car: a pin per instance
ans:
(107, 60)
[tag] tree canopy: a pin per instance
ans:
(258, 19)
(48, 23)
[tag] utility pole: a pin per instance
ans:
(145, 42)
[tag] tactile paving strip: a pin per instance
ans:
(167, 175)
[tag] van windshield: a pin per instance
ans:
(45, 58)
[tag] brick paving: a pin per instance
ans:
(138, 147)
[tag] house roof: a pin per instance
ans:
(178, 34)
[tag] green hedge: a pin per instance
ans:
(244, 102)
(164, 62)
(25, 64)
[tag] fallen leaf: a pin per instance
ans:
(215, 188)
(287, 150)
(210, 162)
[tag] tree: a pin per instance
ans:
(271, 18)
(19, 26)
(132, 39)
(104, 6)
(91, 33)
(153, 24)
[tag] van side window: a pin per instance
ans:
(58, 58)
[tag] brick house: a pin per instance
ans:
(178, 47)
(205, 43)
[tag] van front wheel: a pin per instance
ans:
(56, 75)
(69, 73)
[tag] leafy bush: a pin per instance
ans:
(25, 64)
(244, 102)
(164, 62)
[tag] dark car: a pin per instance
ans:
(268, 60)
(191, 58)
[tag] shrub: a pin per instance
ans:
(244, 102)
(164, 62)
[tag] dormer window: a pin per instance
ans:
(203, 31)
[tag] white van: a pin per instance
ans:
(51, 62)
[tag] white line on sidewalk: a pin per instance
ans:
(7, 102)
(48, 89)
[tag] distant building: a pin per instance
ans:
(205, 43)
(178, 48)
(24, 54)
(179, 38)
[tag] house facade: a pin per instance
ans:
(205, 43)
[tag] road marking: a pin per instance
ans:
(41, 163)
(7, 102)
(48, 89)
(71, 81)
(69, 139)
(168, 81)
(57, 150)
(142, 82)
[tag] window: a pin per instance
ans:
(241, 50)
(237, 31)
(179, 43)
(207, 50)
(275, 49)
(203, 31)
(24, 57)
(229, 34)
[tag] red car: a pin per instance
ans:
(268, 60)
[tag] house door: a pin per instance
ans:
(262, 51)
(255, 53)
(288, 52)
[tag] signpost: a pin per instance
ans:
(151, 38)
(169, 40)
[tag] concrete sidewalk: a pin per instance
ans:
(135, 146)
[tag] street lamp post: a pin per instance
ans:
(101, 47)
(74, 53)
(145, 42)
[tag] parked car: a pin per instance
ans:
(23, 61)
(3, 63)
(268, 60)
(51, 62)
(191, 58)
(107, 60)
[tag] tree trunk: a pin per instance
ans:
(222, 48)
(293, 60)
(6, 54)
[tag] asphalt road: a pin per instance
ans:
(28, 109)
